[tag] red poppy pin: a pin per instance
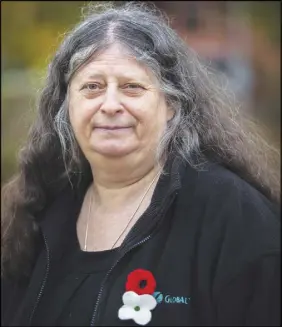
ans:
(141, 282)
(138, 300)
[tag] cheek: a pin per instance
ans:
(156, 116)
(78, 123)
(152, 124)
(75, 119)
(80, 114)
(145, 111)
(72, 115)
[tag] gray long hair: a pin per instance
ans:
(206, 118)
(206, 124)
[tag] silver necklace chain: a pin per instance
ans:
(89, 211)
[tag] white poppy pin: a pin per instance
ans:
(137, 300)
(137, 307)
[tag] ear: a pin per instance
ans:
(170, 114)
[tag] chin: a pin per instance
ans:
(114, 151)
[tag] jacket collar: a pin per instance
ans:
(66, 207)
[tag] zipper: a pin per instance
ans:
(107, 275)
(43, 282)
(103, 282)
(92, 322)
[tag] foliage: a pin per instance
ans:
(265, 15)
(30, 34)
(34, 29)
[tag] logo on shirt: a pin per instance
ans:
(170, 299)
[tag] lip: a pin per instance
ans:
(111, 128)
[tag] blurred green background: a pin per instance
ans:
(240, 39)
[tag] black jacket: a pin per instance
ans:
(211, 240)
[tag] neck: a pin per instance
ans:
(113, 188)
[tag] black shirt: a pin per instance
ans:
(73, 285)
(207, 237)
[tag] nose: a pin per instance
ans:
(111, 103)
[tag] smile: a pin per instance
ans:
(112, 128)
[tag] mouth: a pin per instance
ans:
(112, 128)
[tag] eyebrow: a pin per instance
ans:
(127, 76)
(93, 76)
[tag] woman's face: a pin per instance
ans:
(115, 106)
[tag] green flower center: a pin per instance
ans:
(137, 308)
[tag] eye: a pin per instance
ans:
(91, 87)
(133, 89)
(133, 86)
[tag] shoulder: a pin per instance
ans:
(235, 223)
(225, 198)
(221, 189)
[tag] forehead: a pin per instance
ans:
(115, 62)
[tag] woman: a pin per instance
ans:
(141, 197)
